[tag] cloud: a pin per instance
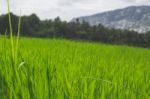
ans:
(66, 9)
(137, 1)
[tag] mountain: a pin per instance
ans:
(136, 18)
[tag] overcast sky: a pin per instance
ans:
(66, 9)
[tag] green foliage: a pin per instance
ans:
(34, 27)
(62, 69)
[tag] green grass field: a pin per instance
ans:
(62, 69)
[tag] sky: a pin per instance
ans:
(66, 9)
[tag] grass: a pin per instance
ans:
(62, 69)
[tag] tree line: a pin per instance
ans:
(32, 26)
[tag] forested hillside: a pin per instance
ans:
(32, 26)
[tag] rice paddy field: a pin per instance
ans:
(63, 69)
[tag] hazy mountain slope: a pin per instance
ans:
(135, 18)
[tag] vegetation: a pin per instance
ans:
(32, 68)
(32, 26)
(62, 69)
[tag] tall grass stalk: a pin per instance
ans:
(14, 49)
(11, 32)
(18, 35)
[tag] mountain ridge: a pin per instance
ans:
(135, 18)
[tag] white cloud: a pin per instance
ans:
(66, 9)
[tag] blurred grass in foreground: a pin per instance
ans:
(60, 69)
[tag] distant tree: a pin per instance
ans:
(34, 27)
